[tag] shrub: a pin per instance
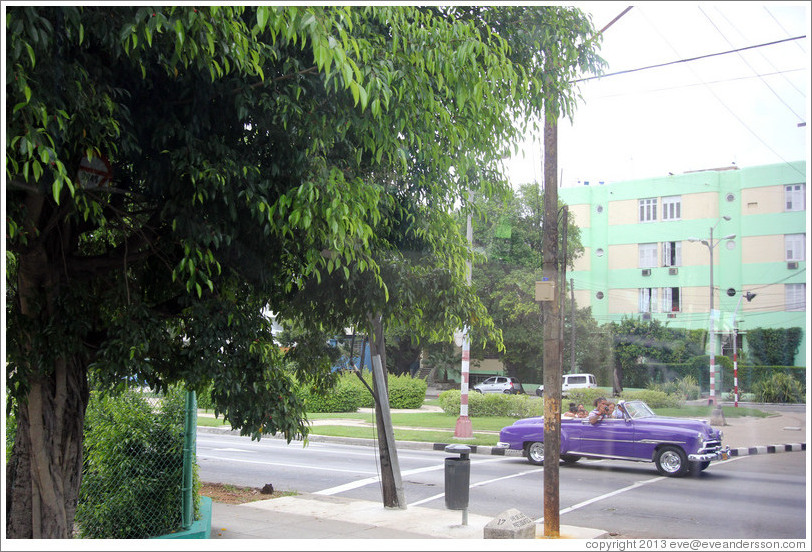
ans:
(492, 404)
(585, 397)
(406, 391)
(133, 470)
(653, 398)
(687, 388)
(344, 397)
(779, 388)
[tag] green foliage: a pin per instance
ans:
(204, 397)
(586, 397)
(653, 343)
(492, 404)
(652, 397)
(346, 396)
(779, 388)
(686, 387)
(406, 391)
(774, 346)
(132, 476)
(11, 432)
(350, 394)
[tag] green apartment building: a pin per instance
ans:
(649, 244)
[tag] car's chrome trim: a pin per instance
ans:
(659, 442)
(607, 456)
(721, 454)
(501, 444)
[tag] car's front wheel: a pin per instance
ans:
(535, 452)
(671, 461)
(699, 467)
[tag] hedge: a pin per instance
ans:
(645, 375)
(492, 404)
(350, 394)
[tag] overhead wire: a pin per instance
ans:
(777, 95)
(684, 60)
(718, 99)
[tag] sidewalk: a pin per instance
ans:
(309, 516)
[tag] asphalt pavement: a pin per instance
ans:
(309, 516)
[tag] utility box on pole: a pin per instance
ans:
(545, 291)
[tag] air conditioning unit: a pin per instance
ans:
(792, 265)
(646, 316)
(673, 271)
(646, 272)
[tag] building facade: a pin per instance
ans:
(681, 247)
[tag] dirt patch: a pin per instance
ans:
(232, 494)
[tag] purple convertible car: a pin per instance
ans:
(675, 445)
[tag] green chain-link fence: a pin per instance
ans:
(134, 485)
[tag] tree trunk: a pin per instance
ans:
(45, 471)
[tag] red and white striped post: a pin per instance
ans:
(735, 368)
(464, 429)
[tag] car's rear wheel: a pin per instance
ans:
(671, 461)
(570, 458)
(535, 453)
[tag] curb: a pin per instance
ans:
(768, 449)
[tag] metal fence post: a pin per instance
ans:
(189, 447)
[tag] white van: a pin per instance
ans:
(572, 381)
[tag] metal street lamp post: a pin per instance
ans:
(711, 245)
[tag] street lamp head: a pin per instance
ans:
(726, 217)
(730, 237)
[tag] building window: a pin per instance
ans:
(794, 246)
(794, 197)
(672, 253)
(672, 208)
(648, 209)
(671, 299)
(795, 297)
(648, 299)
(647, 253)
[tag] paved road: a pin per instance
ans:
(747, 497)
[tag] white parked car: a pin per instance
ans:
(572, 381)
(500, 384)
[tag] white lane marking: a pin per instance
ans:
(232, 450)
(376, 479)
(282, 464)
(631, 487)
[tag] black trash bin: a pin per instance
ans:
(457, 477)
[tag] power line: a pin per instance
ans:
(686, 60)
(712, 22)
(722, 103)
(668, 88)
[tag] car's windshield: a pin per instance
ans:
(638, 409)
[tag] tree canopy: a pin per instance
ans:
(173, 172)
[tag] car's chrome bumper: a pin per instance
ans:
(721, 454)
(500, 444)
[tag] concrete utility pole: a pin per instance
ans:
(552, 335)
(391, 482)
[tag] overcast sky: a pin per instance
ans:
(743, 108)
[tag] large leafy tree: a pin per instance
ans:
(171, 173)
(510, 237)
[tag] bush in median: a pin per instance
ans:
(492, 404)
